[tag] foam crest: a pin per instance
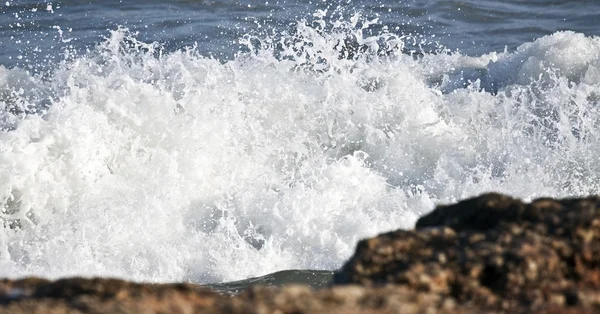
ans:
(566, 55)
(163, 166)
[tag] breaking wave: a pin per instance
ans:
(135, 162)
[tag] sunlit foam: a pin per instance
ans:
(159, 166)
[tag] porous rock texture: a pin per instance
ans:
(494, 252)
(98, 295)
(489, 254)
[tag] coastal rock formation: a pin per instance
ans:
(489, 254)
(98, 295)
(492, 251)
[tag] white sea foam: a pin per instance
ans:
(173, 167)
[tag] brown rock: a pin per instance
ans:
(78, 295)
(493, 251)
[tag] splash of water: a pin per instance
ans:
(171, 166)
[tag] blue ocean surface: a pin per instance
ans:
(35, 33)
(215, 141)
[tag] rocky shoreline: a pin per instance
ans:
(489, 254)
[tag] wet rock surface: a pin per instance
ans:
(489, 254)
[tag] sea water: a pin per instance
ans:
(212, 141)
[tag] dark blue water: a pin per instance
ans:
(37, 34)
